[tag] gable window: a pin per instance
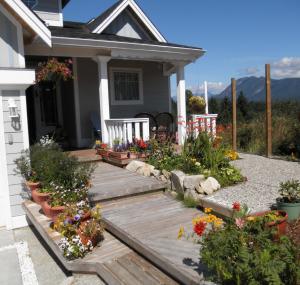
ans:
(126, 86)
(30, 3)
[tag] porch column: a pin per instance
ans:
(103, 95)
(181, 104)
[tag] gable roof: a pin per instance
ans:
(99, 24)
(28, 19)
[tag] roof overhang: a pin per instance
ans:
(64, 3)
(28, 19)
(140, 14)
(128, 50)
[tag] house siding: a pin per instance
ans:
(8, 43)
(124, 25)
(155, 92)
(49, 11)
(14, 145)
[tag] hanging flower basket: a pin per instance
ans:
(53, 70)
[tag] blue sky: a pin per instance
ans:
(240, 36)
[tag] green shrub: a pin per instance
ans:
(250, 256)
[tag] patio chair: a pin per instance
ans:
(166, 128)
(96, 124)
(152, 123)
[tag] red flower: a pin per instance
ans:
(236, 206)
(199, 228)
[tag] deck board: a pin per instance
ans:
(113, 261)
(150, 224)
(111, 182)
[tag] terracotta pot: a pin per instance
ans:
(85, 239)
(52, 212)
(142, 155)
(120, 155)
(133, 155)
(280, 225)
(39, 198)
(104, 152)
(32, 185)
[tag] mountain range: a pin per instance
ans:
(254, 89)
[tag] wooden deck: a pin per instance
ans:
(112, 182)
(149, 224)
(114, 262)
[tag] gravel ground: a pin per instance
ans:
(264, 176)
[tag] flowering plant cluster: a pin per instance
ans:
(81, 227)
(232, 155)
(202, 224)
(73, 248)
(53, 70)
(244, 251)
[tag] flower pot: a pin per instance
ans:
(32, 185)
(104, 152)
(142, 155)
(52, 212)
(133, 155)
(292, 209)
(280, 224)
(120, 155)
(39, 198)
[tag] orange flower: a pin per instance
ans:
(236, 206)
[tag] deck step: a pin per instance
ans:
(110, 182)
(149, 224)
(113, 261)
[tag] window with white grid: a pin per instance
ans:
(126, 86)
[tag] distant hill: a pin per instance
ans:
(254, 89)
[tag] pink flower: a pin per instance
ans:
(240, 223)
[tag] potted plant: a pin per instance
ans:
(290, 199)
(103, 150)
(272, 219)
(24, 169)
(41, 195)
(92, 229)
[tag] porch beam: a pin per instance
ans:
(103, 95)
(181, 104)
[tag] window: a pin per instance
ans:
(30, 3)
(126, 86)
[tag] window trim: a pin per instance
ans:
(115, 102)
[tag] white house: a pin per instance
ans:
(122, 66)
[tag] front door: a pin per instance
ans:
(47, 111)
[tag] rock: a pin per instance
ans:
(163, 178)
(199, 189)
(177, 178)
(192, 194)
(145, 170)
(210, 185)
(173, 194)
(134, 165)
(192, 181)
(166, 173)
(156, 172)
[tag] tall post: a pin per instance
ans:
(233, 99)
(181, 104)
(268, 112)
(103, 95)
(206, 97)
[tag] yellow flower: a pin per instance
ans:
(218, 222)
(98, 142)
(180, 233)
(250, 219)
(207, 210)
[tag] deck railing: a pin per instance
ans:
(204, 123)
(126, 130)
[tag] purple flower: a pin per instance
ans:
(67, 221)
(77, 218)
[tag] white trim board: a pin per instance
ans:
(30, 19)
(120, 8)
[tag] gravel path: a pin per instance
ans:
(264, 176)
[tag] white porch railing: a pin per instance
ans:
(126, 130)
(204, 123)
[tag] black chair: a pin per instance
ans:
(152, 123)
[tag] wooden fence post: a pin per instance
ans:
(233, 99)
(268, 112)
